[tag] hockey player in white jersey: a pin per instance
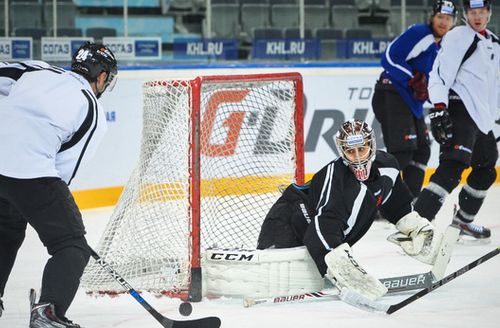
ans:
(463, 87)
(50, 123)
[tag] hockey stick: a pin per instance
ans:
(402, 283)
(393, 284)
(356, 300)
(208, 322)
(333, 293)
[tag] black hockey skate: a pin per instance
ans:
(470, 233)
(43, 315)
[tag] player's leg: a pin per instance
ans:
(471, 197)
(12, 233)
(49, 207)
(453, 161)
(397, 122)
(414, 172)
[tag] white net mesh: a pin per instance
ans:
(247, 150)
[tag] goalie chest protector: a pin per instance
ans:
(287, 220)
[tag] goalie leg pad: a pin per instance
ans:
(417, 237)
(345, 272)
(259, 273)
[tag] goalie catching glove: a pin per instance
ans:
(417, 237)
(345, 272)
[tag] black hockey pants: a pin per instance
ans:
(48, 206)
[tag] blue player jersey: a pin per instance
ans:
(414, 50)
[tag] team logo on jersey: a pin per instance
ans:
(462, 148)
(410, 136)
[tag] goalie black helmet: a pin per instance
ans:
(91, 59)
(355, 142)
(444, 7)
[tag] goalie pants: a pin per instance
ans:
(470, 147)
(48, 206)
(405, 136)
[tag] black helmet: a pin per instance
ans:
(444, 7)
(471, 4)
(91, 59)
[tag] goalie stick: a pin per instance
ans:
(363, 303)
(393, 284)
(208, 322)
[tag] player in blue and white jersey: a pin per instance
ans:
(401, 91)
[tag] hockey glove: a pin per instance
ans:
(417, 237)
(419, 85)
(441, 126)
(345, 272)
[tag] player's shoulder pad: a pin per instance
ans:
(459, 33)
(418, 30)
(384, 159)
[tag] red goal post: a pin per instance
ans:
(214, 152)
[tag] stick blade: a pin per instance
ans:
(208, 322)
(354, 299)
(445, 250)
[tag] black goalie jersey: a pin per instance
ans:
(344, 208)
(339, 208)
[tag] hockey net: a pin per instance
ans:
(214, 153)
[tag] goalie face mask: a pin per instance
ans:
(356, 145)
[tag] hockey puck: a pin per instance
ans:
(185, 309)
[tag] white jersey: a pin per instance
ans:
(475, 80)
(50, 121)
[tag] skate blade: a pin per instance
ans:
(469, 240)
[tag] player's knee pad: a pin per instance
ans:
(75, 255)
(470, 201)
(482, 178)
(448, 175)
(77, 245)
(14, 232)
(287, 220)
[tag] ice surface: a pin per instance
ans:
(472, 300)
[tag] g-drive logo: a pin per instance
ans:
(410, 136)
(462, 148)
